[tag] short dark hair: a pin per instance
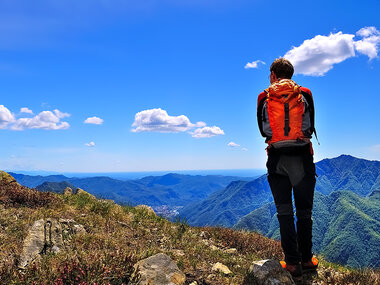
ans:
(282, 68)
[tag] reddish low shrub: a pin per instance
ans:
(12, 194)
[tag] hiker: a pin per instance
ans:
(285, 115)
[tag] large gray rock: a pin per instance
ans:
(270, 272)
(34, 243)
(47, 236)
(158, 269)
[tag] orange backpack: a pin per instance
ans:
(286, 114)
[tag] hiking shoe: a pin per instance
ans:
(294, 270)
(311, 265)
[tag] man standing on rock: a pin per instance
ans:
(285, 115)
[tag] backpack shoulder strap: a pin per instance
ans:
(260, 104)
(309, 99)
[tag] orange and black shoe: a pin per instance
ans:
(311, 265)
(294, 270)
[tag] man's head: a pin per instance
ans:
(281, 68)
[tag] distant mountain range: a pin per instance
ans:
(227, 206)
(170, 189)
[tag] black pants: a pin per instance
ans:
(293, 170)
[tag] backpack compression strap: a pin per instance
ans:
(286, 128)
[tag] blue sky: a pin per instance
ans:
(164, 85)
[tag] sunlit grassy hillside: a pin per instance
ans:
(116, 237)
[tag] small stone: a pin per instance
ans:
(211, 276)
(158, 269)
(79, 229)
(270, 272)
(123, 224)
(194, 283)
(213, 247)
(178, 252)
(68, 191)
(219, 267)
(231, 250)
(204, 235)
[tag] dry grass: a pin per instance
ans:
(116, 237)
(248, 242)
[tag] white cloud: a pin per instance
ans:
(367, 31)
(158, 120)
(6, 117)
(46, 120)
(207, 132)
(60, 114)
(232, 144)
(94, 120)
(200, 124)
(369, 45)
(317, 56)
(90, 144)
(235, 145)
(253, 64)
(26, 110)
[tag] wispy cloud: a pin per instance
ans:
(253, 64)
(235, 145)
(207, 132)
(26, 110)
(158, 120)
(318, 55)
(94, 120)
(375, 148)
(232, 144)
(90, 144)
